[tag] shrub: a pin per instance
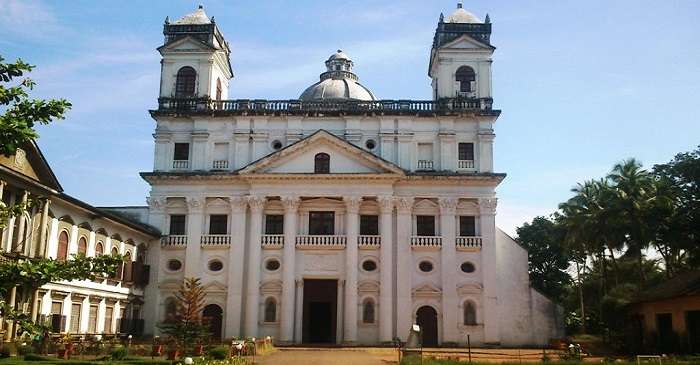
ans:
(5, 351)
(35, 357)
(25, 350)
(119, 353)
(218, 353)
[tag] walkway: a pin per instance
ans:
(328, 356)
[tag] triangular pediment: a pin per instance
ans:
(29, 163)
(298, 158)
(368, 286)
(426, 291)
(271, 287)
(186, 44)
(470, 288)
(467, 42)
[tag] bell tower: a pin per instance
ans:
(460, 59)
(195, 58)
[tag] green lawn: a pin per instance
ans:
(87, 360)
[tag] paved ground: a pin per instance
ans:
(328, 356)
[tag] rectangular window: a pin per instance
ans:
(182, 152)
(466, 152)
(109, 313)
(218, 224)
(56, 307)
(369, 225)
(75, 318)
(274, 224)
(425, 225)
(321, 223)
(92, 319)
(177, 224)
(467, 226)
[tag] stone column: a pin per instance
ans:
(257, 205)
(341, 312)
(43, 229)
(291, 206)
(152, 296)
(489, 259)
(448, 265)
(21, 242)
(195, 225)
(404, 266)
(352, 220)
(386, 270)
(236, 254)
(299, 312)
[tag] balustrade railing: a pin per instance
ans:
(185, 105)
(181, 164)
(319, 241)
(468, 242)
(369, 241)
(272, 241)
(174, 240)
(219, 164)
(465, 164)
(215, 240)
(425, 165)
(426, 241)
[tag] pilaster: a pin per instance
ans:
(485, 158)
(386, 287)
(352, 210)
(447, 258)
(257, 204)
(195, 222)
(291, 206)
(404, 266)
(489, 255)
(234, 294)
(199, 150)
(299, 311)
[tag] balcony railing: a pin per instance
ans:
(465, 164)
(272, 241)
(426, 241)
(219, 164)
(318, 241)
(468, 243)
(369, 241)
(174, 240)
(295, 106)
(216, 240)
(181, 164)
(425, 165)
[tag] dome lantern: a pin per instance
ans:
(338, 82)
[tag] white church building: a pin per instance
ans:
(337, 217)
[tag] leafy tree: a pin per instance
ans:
(187, 326)
(547, 256)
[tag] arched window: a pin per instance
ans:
(465, 76)
(322, 163)
(170, 310)
(99, 250)
(117, 274)
(128, 268)
(469, 314)
(218, 89)
(270, 310)
(185, 82)
(62, 246)
(82, 246)
(368, 311)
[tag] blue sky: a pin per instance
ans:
(582, 84)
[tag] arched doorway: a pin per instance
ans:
(426, 318)
(213, 315)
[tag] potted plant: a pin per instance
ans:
(67, 346)
(157, 349)
(199, 348)
(173, 349)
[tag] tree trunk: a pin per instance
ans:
(580, 296)
(614, 264)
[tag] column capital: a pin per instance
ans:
(238, 203)
(352, 204)
(256, 203)
(448, 205)
(290, 203)
(487, 206)
(341, 284)
(386, 203)
(404, 204)
(156, 204)
(299, 283)
(195, 204)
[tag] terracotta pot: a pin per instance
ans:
(173, 354)
(69, 346)
(199, 350)
(157, 350)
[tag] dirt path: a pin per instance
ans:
(325, 357)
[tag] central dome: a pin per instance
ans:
(338, 82)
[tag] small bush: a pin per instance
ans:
(119, 353)
(25, 350)
(35, 357)
(218, 353)
(5, 352)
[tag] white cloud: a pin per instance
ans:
(28, 18)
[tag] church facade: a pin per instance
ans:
(337, 217)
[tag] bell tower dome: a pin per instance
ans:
(461, 56)
(195, 58)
